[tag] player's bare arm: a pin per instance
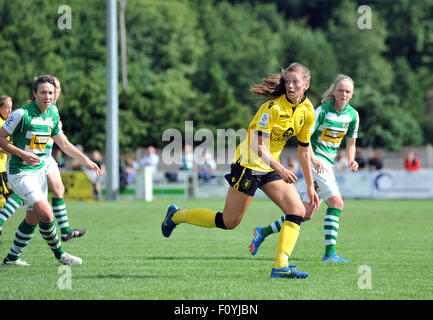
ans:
(62, 141)
(351, 150)
(28, 157)
(258, 146)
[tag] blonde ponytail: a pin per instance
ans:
(327, 95)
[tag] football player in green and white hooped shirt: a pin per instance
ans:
(334, 119)
(31, 127)
(56, 185)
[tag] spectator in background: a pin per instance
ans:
(341, 161)
(96, 157)
(207, 168)
(187, 161)
(151, 159)
(412, 162)
(293, 165)
(130, 170)
(375, 162)
(359, 158)
(76, 164)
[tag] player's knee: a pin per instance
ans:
(300, 211)
(43, 211)
(231, 223)
(309, 212)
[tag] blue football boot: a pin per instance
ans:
(168, 225)
(288, 272)
(334, 258)
(257, 240)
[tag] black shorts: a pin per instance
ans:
(247, 181)
(5, 187)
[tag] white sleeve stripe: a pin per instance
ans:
(13, 120)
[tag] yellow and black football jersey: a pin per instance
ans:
(3, 156)
(278, 120)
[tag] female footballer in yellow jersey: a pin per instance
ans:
(6, 192)
(286, 113)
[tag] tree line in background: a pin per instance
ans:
(195, 60)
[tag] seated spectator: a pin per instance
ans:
(130, 170)
(187, 161)
(359, 158)
(151, 159)
(207, 168)
(412, 162)
(375, 162)
(96, 157)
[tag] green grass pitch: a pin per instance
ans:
(126, 257)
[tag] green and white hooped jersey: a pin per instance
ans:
(330, 127)
(30, 131)
(50, 143)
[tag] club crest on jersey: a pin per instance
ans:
(264, 120)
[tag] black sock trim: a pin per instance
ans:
(294, 219)
(219, 222)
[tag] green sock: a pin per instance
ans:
(61, 214)
(331, 224)
(11, 205)
(274, 227)
(49, 233)
(23, 235)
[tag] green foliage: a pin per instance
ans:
(382, 124)
(311, 48)
(359, 51)
(190, 60)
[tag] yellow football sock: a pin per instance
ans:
(200, 217)
(286, 242)
(2, 202)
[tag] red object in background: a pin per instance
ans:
(412, 165)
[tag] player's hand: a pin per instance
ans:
(314, 198)
(353, 166)
(310, 211)
(31, 159)
(287, 175)
(94, 167)
(318, 165)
